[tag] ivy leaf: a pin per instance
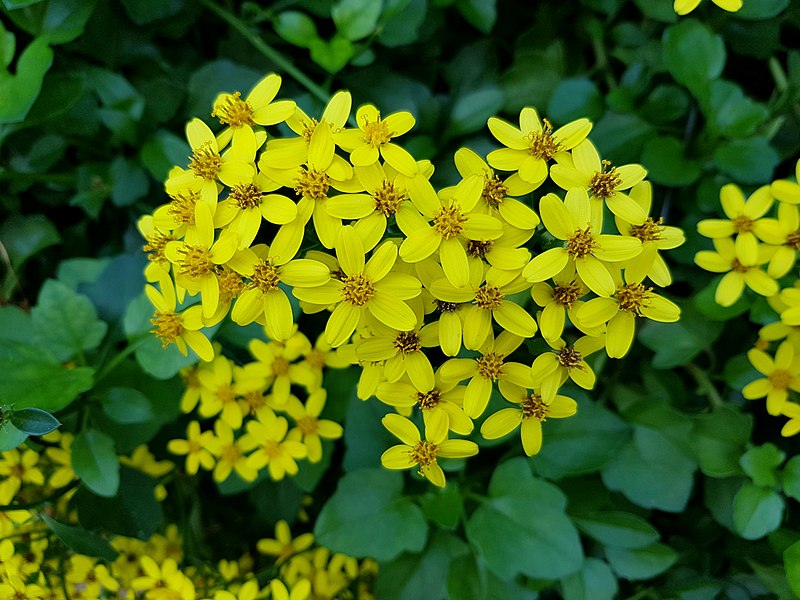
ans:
(761, 464)
(694, 55)
(757, 511)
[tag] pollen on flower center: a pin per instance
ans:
(780, 379)
(155, 247)
(308, 130)
(280, 366)
(743, 223)
(407, 342)
(196, 261)
(428, 400)
(489, 297)
(449, 221)
(387, 198)
(315, 358)
(478, 249)
(648, 231)
(490, 365)
(246, 195)
(265, 276)
(181, 207)
(358, 289)
(308, 425)
(567, 294)
(205, 162)
(376, 132)
(226, 394)
(738, 267)
(447, 307)
(254, 401)
(494, 192)
(534, 408)
(271, 449)
(234, 111)
(424, 453)
(603, 184)
(541, 144)
(168, 327)
(793, 240)
(230, 284)
(633, 297)
(569, 358)
(581, 243)
(312, 183)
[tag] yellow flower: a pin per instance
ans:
(309, 426)
(284, 546)
(738, 271)
(781, 375)
(366, 287)
(275, 367)
(604, 182)
(267, 437)
(178, 215)
(301, 590)
(557, 300)
(532, 411)
(373, 139)
(61, 456)
(529, 148)
(195, 447)
(789, 299)
(164, 582)
(16, 588)
(783, 232)
(230, 453)
(786, 190)
(571, 221)
(218, 393)
(20, 466)
(321, 356)
(156, 239)
(792, 426)
(424, 453)
(143, 460)
(91, 576)
(684, 7)
(551, 369)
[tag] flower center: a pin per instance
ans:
(308, 425)
(196, 261)
(226, 395)
(633, 297)
(541, 143)
(205, 162)
(793, 240)
(280, 366)
(446, 306)
(315, 359)
(271, 449)
(246, 195)
(449, 221)
(312, 183)
(155, 247)
(254, 401)
(569, 358)
(234, 111)
(230, 284)
(265, 276)
(739, 267)
(780, 379)
(424, 453)
(428, 399)
(648, 231)
(230, 454)
(478, 249)
(743, 223)
(407, 342)
(567, 294)
(168, 327)
(581, 243)
(489, 297)
(308, 130)
(387, 198)
(494, 192)
(603, 183)
(376, 132)
(358, 289)
(182, 207)
(490, 365)
(534, 408)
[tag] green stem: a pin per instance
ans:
(778, 74)
(270, 53)
(119, 358)
(705, 384)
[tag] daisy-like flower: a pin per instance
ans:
(61, 457)
(178, 215)
(558, 300)
(792, 426)
(531, 412)
(208, 166)
(454, 223)
(654, 237)
(284, 546)
(414, 451)
(248, 591)
(310, 428)
(276, 367)
(301, 590)
(738, 271)
(156, 240)
(218, 393)
(743, 219)
(483, 371)
(601, 179)
(789, 306)
(373, 139)
(780, 376)
(529, 148)
(257, 108)
(786, 190)
(171, 327)
(267, 437)
(319, 357)
(163, 582)
(230, 453)
(783, 232)
(572, 222)
(20, 467)
(15, 587)
(630, 301)
(684, 7)
(552, 369)
(195, 448)
(366, 286)
(90, 575)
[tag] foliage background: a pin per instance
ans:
(676, 487)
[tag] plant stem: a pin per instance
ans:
(705, 384)
(118, 358)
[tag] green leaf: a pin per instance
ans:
(162, 151)
(443, 506)
(790, 478)
(752, 160)
(95, 461)
(364, 437)
(687, 338)
(791, 562)
(666, 163)
(705, 304)
(296, 28)
(481, 14)
(73, 272)
(129, 181)
(470, 110)
(356, 19)
(466, 579)
(143, 12)
(81, 541)
(18, 92)
(762, 9)
(574, 99)
(133, 512)
(10, 436)
(127, 405)
(595, 581)
(8, 46)
(761, 464)
(533, 76)
(620, 137)
(719, 439)
(757, 511)
(617, 528)
(731, 113)
(512, 538)
(718, 495)
(402, 20)
(65, 321)
(332, 55)
(369, 516)
(24, 236)
(694, 55)
(34, 421)
(665, 103)
(641, 563)
(57, 21)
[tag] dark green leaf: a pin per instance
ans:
(574, 99)
(163, 151)
(129, 181)
(466, 579)
(763, 9)
(94, 460)
(752, 160)
(731, 113)
(791, 561)
(719, 439)
(18, 92)
(641, 563)
(10, 436)
(58, 21)
(403, 21)
(595, 581)
(215, 77)
(620, 137)
(481, 14)
(24, 236)
(667, 164)
(469, 111)
(34, 421)
(687, 338)
(356, 19)
(705, 304)
(694, 55)
(443, 507)
(665, 103)
(332, 55)
(761, 464)
(127, 405)
(616, 528)
(81, 541)
(533, 76)
(757, 511)
(143, 12)
(790, 478)
(296, 28)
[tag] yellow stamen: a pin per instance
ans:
(567, 294)
(407, 342)
(648, 231)
(387, 198)
(489, 297)
(182, 206)
(358, 289)
(541, 143)
(246, 195)
(633, 297)
(205, 162)
(424, 453)
(376, 132)
(490, 365)
(168, 327)
(265, 277)
(603, 184)
(449, 221)
(428, 400)
(569, 358)
(581, 244)
(312, 183)
(494, 192)
(234, 111)
(534, 408)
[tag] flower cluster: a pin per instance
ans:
(684, 7)
(423, 289)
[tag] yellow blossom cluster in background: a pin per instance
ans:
(756, 247)
(423, 289)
